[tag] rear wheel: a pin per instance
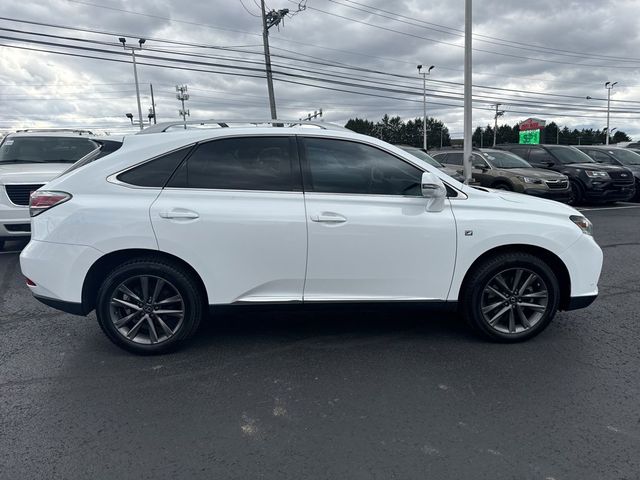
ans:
(149, 306)
(510, 297)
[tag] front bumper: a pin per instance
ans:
(15, 222)
(576, 303)
(557, 195)
(609, 191)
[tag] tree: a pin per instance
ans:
(395, 130)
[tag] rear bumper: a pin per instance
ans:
(67, 307)
(576, 303)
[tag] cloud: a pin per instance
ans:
(45, 89)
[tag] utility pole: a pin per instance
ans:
(481, 137)
(314, 115)
(153, 105)
(182, 95)
(133, 49)
(270, 19)
(441, 138)
(609, 86)
(468, 147)
(424, 103)
(557, 134)
(495, 123)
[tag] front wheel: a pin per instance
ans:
(149, 306)
(510, 297)
(576, 195)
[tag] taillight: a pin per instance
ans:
(41, 201)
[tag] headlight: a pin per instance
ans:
(583, 223)
(596, 174)
(530, 180)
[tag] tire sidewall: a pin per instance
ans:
(473, 301)
(190, 296)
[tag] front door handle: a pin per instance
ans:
(180, 214)
(328, 217)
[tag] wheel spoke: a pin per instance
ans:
(168, 312)
(533, 306)
(527, 282)
(157, 289)
(174, 299)
(516, 280)
(523, 318)
(495, 318)
(124, 320)
(535, 295)
(164, 326)
(489, 287)
(127, 291)
(153, 335)
(493, 306)
(512, 321)
(124, 303)
(502, 283)
(136, 328)
(144, 283)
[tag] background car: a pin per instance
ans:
(422, 155)
(506, 171)
(590, 181)
(624, 157)
(29, 159)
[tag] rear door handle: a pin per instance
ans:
(179, 213)
(328, 217)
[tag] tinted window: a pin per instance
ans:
(540, 157)
(418, 153)
(440, 157)
(105, 148)
(455, 158)
(599, 156)
(570, 155)
(155, 173)
(30, 149)
(339, 166)
(521, 152)
(626, 157)
(504, 159)
(244, 163)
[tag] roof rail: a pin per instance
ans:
(163, 127)
(55, 130)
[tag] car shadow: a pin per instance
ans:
(308, 321)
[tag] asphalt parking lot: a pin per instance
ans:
(333, 394)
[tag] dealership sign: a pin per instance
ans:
(530, 130)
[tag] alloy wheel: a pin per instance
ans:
(147, 309)
(514, 300)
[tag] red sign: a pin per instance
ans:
(532, 124)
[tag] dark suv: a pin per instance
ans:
(590, 181)
(624, 157)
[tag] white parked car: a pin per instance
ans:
(176, 222)
(29, 159)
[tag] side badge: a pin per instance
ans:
(468, 233)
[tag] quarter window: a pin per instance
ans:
(455, 158)
(340, 166)
(156, 172)
(243, 163)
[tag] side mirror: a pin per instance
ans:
(434, 190)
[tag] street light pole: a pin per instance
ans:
(609, 86)
(557, 134)
(424, 103)
(467, 92)
(495, 125)
(133, 49)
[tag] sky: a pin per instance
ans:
(349, 58)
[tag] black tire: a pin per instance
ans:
(503, 186)
(577, 193)
(471, 295)
(176, 279)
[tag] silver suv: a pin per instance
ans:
(31, 158)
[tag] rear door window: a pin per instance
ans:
(454, 158)
(539, 157)
(242, 163)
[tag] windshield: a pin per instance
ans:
(626, 157)
(570, 155)
(416, 152)
(505, 160)
(44, 149)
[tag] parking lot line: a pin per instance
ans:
(607, 208)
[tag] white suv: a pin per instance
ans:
(29, 159)
(174, 223)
